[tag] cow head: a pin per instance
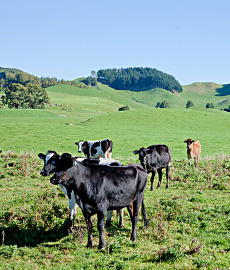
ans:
(143, 156)
(50, 162)
(79, 144)
(55, 163)
(65, 171)
(189, 142)
(60, 178)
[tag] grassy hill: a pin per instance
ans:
(199, 93)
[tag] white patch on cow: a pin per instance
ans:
(104, 161)
(72, 202)
(63, 189)
(99, 152)
(80, 146)
(72, 205)
(79, 159)
(49, 156)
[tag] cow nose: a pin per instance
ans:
(43, 173)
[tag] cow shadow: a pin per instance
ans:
(224, 90)
(30, 237)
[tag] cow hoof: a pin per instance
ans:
(107, 224)
(133, 239)
(146, 223)
(101, 248)
(89, 245)
(167, 186)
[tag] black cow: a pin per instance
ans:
(155, 158)
(96, 149)
(54, 162)
(101, 188)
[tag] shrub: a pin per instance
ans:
(163, 104)
(190, 104)
(124, 108)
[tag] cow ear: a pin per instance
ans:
(136, 152)
(186, 141)
(66, 156)
(76, 143)
(41, 156)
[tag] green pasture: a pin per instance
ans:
(41, 130)
(188, 228)
(189, 222)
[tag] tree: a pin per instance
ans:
(189, 104)
(210, 105)
(94, 74)
(29, 96)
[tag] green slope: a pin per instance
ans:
(40, 130)
(202, 93)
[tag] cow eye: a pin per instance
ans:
(53, 162)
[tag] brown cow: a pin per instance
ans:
(193, 151)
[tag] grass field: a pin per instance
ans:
(189, 222)
(41, 130)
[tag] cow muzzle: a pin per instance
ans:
(53, 180)
(43, 173)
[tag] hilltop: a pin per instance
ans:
(199, 93)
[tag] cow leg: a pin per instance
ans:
(196, 162)
(160, 177)
(109, 217)
(130, 210)
(100, 228)
(89, 225)
(72, 213)
(136, 207)
(121, 223)
(108, 220)
(152, 179)
(189, 161)
(143, 211)
(167, 176)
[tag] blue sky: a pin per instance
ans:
(189, 39)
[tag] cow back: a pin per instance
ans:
(159, 156)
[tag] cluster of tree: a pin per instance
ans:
(138, 79)
(29, 96)
(163, 104)
(10, 75)
(190, 104)
(89, 81)
(210, 105)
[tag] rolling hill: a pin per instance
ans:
(199, 93)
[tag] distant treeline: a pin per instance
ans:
(11, 75)
(138, 79)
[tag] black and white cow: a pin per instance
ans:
(155, 158)
(101, 188)
(96, 149)
(53, 162)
